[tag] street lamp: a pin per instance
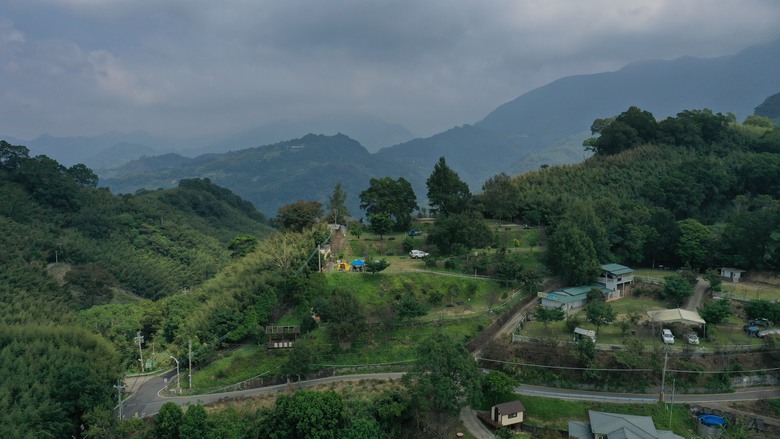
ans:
(178, 381)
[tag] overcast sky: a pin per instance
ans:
(191, 67)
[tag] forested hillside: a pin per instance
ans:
(68, 246)
(696, 189)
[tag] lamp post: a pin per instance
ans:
(178, 380)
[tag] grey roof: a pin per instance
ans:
(506, 408)
(619, 426)
(580, 430)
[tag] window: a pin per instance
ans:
(512, 415)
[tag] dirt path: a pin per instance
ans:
(472, 423)
(699, 290)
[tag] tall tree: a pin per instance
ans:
(337, 209)
(571, 256)
(392, 197)
(444, 377)
(695, 243)
(447, 193)
(677, 289)
(500, 197)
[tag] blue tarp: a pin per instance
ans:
(712, 420)
(358, 263)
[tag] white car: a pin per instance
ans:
(667, 335)
(416, 254)
(693, 338)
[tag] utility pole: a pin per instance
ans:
(178, 379)
(663, 374)
(189, 343)
(140, 339)
(119, 387)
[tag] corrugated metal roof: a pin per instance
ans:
(617, 269)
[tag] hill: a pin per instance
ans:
(514, 136)
(271, 176)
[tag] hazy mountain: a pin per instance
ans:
(271, 176)
(516, 136)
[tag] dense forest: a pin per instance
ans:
(698, 189)
(86, 272)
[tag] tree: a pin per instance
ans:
(464, 231)
(394, 198)
(83, 176)
(337, 209)
(167, 421)
(380, 223)
(92, 283)
(361, 428)
(194, 423)
(302, 358)
(299, 215)
(308, 414)
(677, 289)
(500, 197)
(447, 193)
(11, 156)
(498, 384)
(242, 245)
(715, 312)
(376, 265)
(444, 377)
(345, 317)
(600, 313)
(695, 243)
(547, 315)
(571, 256)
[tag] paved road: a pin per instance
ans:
(747, 394)
(694, 302)
(147, 400)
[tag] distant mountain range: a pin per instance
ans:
(544, 126)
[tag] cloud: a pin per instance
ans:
(194, 66)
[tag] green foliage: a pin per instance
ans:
(194, 423)
(345, 317)
(499, 197)
(444, 377)
(547, 315)
(409, 306)
(168, 421)
(715, 312)
(307, 414)
(380, 223)
(394, 198)
(447, 193)
(299, 215)
(337, 209)
(53, 376)
(463, 231)
(600, 313)
(763, 309)
(571, 256)
(241, 245)
(91, 282)
(677, 289)
(376, 265)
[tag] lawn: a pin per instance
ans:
(555, 413)
(751, 291)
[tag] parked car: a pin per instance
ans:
(693, 338)
(762, 323)
(769, 333)
(417, 254)
(667, 336)
(751, 330)
(414, 232)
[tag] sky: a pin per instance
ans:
(187, 68)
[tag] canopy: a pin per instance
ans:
(358, 263)
(676, 315)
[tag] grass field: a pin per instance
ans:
(751, 291)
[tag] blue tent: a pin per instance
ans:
(358, 263)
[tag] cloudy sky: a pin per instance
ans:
(192, 67)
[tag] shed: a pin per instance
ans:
(507, 413)
(582, 332)
(731, 273)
